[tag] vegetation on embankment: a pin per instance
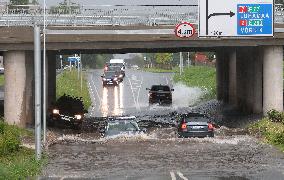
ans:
(17, 162)
(2, 80)
(270, 129)
(160, 70)
(199, 76)
(69, 84)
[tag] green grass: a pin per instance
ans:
(270, 132)
(159, 70)
(19, 162)
(199, 76)
(1, 80)
(20, 165)
(68, 83)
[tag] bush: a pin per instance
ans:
(9, 139)
(275, 116)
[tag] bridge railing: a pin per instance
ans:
(124, 15)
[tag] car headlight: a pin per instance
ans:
(55, 111)
(115, 79)
(120, 75)
(104, 79)
(78, 116)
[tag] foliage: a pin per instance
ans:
(271, 132)
(16, 162)
(164, 60)
(158, 70)
(69, 84)
(199, 76)
(65, 7)
(95, 61)
(9, 139)
(2, 81)
(19, 2)
(275, 116)
(20, 165)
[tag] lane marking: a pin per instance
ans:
(132, 93)
(173, 176)
(167, 81)
(181, 175)
(138, 94)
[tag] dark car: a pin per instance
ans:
(125, 125)
(110, 78)
(119, 72)
(161, 94)
(68, 111)
(195, 125)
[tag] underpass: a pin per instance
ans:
(159, 154)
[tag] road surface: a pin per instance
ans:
(159, 154)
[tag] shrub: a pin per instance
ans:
(276, 116)
(9, 139)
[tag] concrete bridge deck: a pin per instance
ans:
(125, 38)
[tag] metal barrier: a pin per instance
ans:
(123, 15)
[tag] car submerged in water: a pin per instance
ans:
(67, 111)
(119, 126)
(194, 125)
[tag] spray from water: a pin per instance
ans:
(184, 96)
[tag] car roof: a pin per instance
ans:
(160, 85)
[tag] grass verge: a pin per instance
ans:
(2, 80)
(159, 70)
(270, 132)
(199, 76)
(68, 83)
(16, 162)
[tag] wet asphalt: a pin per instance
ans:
(158, 154)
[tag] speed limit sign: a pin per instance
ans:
(184, 30)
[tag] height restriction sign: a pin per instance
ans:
(235, 18)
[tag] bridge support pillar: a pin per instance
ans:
(18, 100)
(272, 78)
(249, 80)
(51, 78)
(232, 77)
(222, 75)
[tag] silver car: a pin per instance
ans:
(125, 125)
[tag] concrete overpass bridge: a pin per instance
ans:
(249, 70)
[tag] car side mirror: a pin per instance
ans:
(172, 90)
(102, 76)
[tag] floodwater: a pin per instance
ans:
(159, 154)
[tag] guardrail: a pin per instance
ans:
(123, 15)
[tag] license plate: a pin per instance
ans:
(197, 127)
(65, 118)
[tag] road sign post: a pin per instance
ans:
(236, 18)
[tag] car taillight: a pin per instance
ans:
(210, 126)
(184, 126)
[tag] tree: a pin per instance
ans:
(65, 7)
(19, 2)
(164, 60)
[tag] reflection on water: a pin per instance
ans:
(112, 101)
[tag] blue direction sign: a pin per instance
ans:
(254, 19)
(73, 59)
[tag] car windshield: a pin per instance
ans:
(160, 88)
(109, 74)
(122, 126)
(114, 68)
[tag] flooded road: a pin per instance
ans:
(158, 154)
